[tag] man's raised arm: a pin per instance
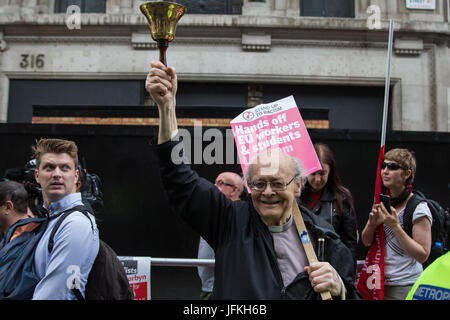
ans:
(161, 84)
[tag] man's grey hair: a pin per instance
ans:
(241, 186)
(298, 170)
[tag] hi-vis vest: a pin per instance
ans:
(434, 282)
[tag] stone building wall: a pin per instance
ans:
(270, 42)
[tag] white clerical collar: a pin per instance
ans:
(282, 228)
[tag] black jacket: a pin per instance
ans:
(246, 264)
(344, 224)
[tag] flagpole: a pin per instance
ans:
(387, 83)
(375, 256)
(378, 245)
(385, 112)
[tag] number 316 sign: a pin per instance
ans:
(31, 61)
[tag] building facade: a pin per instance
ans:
(331, 55)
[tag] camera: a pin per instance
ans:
(91, 190)
(33, 188)
(25, 176)
(90, 187)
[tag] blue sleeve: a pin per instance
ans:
(75, 249)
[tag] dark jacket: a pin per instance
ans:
(246, 264)
(344, 224)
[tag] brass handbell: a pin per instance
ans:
(162, 17)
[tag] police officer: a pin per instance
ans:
(434, 282)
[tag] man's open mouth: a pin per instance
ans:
(271, 202)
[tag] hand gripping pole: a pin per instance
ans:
(307, 245)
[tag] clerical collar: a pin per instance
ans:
(282, 228)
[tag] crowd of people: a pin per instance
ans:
(252, 237)
(258, 253)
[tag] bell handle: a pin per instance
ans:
(162, 46)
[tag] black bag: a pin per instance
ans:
(18, 277)
(107, 279)
(440, 229)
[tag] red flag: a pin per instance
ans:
(371, 279)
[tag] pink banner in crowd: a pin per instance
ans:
(276, 125)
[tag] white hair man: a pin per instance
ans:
(259, 255)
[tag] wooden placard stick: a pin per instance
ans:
(307, 245)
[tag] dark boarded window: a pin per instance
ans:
(327, 8)
(86, 6)
(212, 6)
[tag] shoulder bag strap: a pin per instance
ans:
(408, 213)
(62, 216)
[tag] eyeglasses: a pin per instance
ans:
(277, 185)
(220, 183)
(392, 166)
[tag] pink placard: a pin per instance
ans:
(276, 125)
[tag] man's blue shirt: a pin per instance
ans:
(75, 248)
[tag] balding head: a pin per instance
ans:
(230, 184)
(272, 161)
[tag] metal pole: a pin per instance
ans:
(387, 83)
(182, 262)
